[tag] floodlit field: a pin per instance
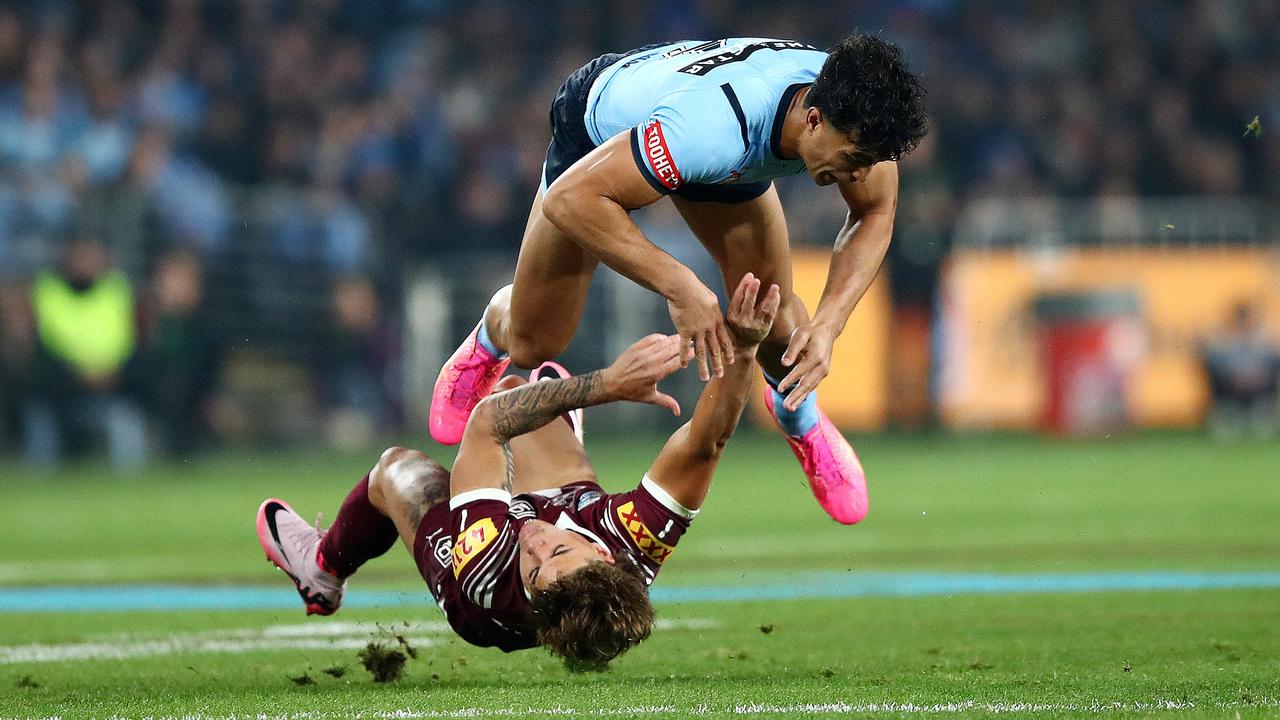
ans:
(995, 574)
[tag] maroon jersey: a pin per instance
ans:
(467, 550)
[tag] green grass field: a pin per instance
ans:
(1001, 505)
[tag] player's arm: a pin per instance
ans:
(590, 203)
(855, 259)
(685, 466)
(484, 457)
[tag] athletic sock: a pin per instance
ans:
(486, 342)
(794, 422)
(360, 533)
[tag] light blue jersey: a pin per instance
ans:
(704, 112)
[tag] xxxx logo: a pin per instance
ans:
(471, 541)
(652, 547)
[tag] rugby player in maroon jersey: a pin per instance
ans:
(519, 544)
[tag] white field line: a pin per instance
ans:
(308, 636)
(838, 708)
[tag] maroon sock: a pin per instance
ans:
(360, 532)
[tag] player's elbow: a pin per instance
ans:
(709, 449)
(481, 421)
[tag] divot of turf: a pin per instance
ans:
(383, 663)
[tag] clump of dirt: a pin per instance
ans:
(383, 663)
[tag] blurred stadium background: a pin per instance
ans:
(305, 205)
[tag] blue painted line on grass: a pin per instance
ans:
(102, 598)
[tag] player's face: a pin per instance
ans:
(548, 552)
(829, 155)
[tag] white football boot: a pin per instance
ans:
(291, 543)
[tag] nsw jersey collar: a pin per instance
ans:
(775, 137)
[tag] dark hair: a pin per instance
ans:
(593, 614)
(865, 86)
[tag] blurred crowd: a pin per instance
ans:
(344, 138)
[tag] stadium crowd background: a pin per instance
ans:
(299, 157)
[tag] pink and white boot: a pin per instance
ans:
(466, 379)
(550, 370)
(291, 543)
(835, 474)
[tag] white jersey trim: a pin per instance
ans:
(664, 498)
(564, 522)
(461, 499)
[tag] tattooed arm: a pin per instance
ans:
(529, 407)
(484, 458)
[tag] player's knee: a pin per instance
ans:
(386, 480)
(500, 303)
(529, 351)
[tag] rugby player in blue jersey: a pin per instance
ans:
(710, 124)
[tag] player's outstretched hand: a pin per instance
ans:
(698, 320)
(809, 356)
(635, 374)
(748, 321)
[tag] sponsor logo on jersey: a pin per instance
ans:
(522, 510)
(659, 157)
(471, 541)
(444, 551)
(649, 544)
(587, 499)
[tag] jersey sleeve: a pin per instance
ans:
(649, 523)
(691, 137)
(484, 546)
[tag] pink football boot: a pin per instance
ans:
(464, 381)
(549, 370)
(291, 544)
(835, 474)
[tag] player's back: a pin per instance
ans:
(627, 92)
(721, 96)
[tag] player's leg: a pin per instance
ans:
(403, 483)
(548, 296)
(751, 236)
(529, 321)
(403, 486)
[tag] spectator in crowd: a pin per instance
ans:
(86, 338)
(180, 354)
(1243, 367)
(413, 111)
(358, 369)
(17, 354)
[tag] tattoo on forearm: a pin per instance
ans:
(531, 406)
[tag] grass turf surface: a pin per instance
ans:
(1004, 504)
